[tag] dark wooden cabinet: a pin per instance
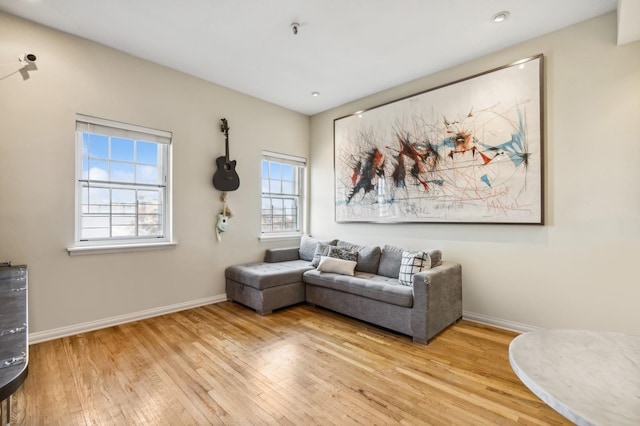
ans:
(14, 349)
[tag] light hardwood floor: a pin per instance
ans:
(224, 364)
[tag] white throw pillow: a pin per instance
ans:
(337, 266)
(412, 262)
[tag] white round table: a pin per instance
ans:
(591, 378)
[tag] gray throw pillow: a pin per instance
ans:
(368, 257)
(390, 261)
(308, 247)
(322, 249)
(436, 257)
(392, 256)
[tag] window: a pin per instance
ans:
(282, 194)
(122, 184)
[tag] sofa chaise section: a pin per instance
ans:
(266, 286)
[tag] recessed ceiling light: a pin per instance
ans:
(500, 17)
(314, 94)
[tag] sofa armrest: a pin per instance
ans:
(281, 254)
(437, 300)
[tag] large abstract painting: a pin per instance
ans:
(467, 152)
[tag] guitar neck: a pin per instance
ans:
(225, 129)
(226, 147)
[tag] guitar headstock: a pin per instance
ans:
(224, 127)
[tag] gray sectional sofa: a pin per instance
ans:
(427, 303)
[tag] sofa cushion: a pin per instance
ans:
(281, 254)
(267, 275)
(391, 258)
(368, 257)
(412, 262)
(336, 265)
(363, 284)
(308, 246)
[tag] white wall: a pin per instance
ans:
(579, 269)
(37, 124)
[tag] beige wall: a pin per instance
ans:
(579, 270)
(576, 271)
(37, 124)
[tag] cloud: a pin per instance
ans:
(96, 173)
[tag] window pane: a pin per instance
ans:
(95, 221)
(274, 186)
(148, 197)
(98, 170)
(123, 209)
(123, 220)
(94, 233)
(120, 196)
(98, 196)
(287, 172)
(98, 146)
(149, 204)
(147, 174)
(84, 199)
(147, 152)
(149, 230)
(123, 231)
(104, 208)
(85, 170)
(149, 213)
(274, 170)
(85, 145)
(287, 187)
(122, 172)
(122, 149)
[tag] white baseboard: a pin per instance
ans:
(56, 333)
(500, 323)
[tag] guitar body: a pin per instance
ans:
(225, 178)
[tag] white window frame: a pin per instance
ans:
(88, 124)
(302, 195)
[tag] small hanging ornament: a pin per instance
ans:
(225, 214)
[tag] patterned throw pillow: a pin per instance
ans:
(344, 254)
(412, 263)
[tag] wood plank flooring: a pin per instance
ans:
(224, 364)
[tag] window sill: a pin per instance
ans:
(82, 250)
(282, 237)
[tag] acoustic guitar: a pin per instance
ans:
(226, 178)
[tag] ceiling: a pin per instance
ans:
(344, 49)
